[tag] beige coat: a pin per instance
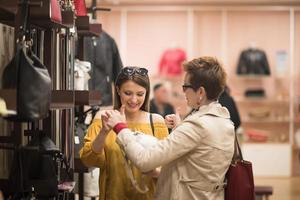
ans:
(195, 156)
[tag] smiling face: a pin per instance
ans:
(132, 96)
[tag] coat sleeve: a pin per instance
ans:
(87, 155)
(182, 140)
(117, 62)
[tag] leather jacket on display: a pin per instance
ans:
(106, 63)
(253, 61)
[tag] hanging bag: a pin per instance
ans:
(239, 177)
(27, 74)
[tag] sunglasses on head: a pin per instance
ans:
(134, 70)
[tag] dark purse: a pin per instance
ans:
(35, 166)
(27, 74)
(239, 177)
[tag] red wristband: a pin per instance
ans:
(119, 126)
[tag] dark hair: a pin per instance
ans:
(206, 72)
(140, 79)
(157, 86)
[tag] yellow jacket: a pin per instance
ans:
(113, 181)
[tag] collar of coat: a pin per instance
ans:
(214, 108)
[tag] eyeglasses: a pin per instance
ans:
(129, 71)
(186, 86)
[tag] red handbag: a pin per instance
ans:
(239, 177)
(55, 12)
(80, 7)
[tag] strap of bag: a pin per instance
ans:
(237, 154)
(24, 22)
(132, 179)
(151, 124)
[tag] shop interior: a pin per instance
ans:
(146, 33)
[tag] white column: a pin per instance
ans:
(190, 34)
(292, 73)
(224, 38)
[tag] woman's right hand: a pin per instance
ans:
(172, 120)
(104, 118)
(98, 143)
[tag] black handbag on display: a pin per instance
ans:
(27, 74)
(35, 166)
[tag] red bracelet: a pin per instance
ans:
(119, 126)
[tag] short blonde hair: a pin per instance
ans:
(206, 72)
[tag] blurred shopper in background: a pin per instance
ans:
(227, 100)
(160, 103)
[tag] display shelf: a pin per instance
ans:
(5, 185)
(68, 18)
(39, 14)
(261, 100)
(33, 132)
(252, 121)
(62, 99)
(9, 96)
(6, 139)
(268, 143)
(7, 17)
(264, 155)
(91, 98)
(84, 28)
(252, 76)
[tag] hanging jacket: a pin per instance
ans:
(106, 63)
(170, 62)
(253, 61)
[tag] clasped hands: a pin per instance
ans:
(110, 118)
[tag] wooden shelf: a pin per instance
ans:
(91, 98)
(68, 18)
(8, 10)
(252, 121)
(265, 143)
(6, 139)
(84, 28)
(39, 15)
(10, 98)
(62, 99)
(261, 100)
(253, 77)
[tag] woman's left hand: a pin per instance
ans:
(115, 117)
(154, 173)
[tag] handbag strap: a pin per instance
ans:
(151, 124)
(237, 154)
(134, 183)
(24, 20)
